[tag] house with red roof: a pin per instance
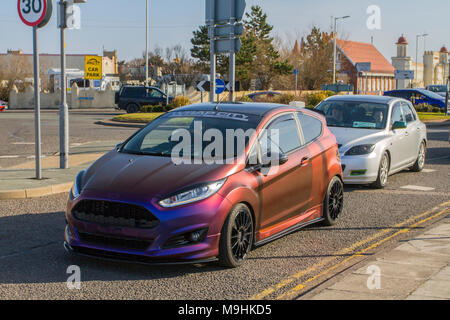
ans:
(381, 76)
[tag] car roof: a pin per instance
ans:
(362, 98)
(252, 108)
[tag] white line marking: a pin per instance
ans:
(428, 170)
(23, 143)
(8, 157)
(417, 188)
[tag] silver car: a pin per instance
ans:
(377, 136)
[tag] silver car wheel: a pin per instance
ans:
(384, 168)
(421, 160)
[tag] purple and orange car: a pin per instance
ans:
(140, 203)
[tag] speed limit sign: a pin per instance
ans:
(35, 13)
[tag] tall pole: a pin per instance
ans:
(232, 73)
(417, 55)
(417, 61)
(212, 87)
(146, 44)
(334, 45)
(63, 109)
(37, 104)
(334, 51)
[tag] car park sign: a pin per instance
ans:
(35, 13)
(93, 68)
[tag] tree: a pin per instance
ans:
(200, 51)
(258, 58)
(316, 55)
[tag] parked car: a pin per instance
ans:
(260, 95)
(3, 106)
(377, 136)
(440, 89)
(132, 98)
(418, 96)
(136, 203)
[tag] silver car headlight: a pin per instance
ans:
(196, 194)
(77, 187)
(360, 150)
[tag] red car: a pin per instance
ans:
(3, 106)
(154, 199)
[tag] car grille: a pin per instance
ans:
(116, 242)
(114, 214)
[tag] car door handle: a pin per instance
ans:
(304, 162)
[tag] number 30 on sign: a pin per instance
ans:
(35, 13)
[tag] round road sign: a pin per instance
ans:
(220, 86)
(34, 12)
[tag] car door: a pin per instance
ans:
(412, 132)
(157, 97)
(285, 189)
(399, 147)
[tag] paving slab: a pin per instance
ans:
(417, 269)
(434, 288)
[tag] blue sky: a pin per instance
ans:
(120, 24)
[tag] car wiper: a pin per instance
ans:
(155, 154)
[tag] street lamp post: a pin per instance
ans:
(64, 109)
(146, 44)
(417, 54)
(334, 45)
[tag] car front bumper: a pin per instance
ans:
(362, 169)
(208, 214)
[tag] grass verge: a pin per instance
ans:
(432, 116)
(138, 117)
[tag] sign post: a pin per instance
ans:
(36, 14)
(69, 17)
(224, 30)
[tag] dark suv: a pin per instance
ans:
(132, 99)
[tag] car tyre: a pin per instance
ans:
(236, 238)
(420, 162)
(383, 172)
(334, 202)
(132, 108)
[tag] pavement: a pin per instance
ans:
(19, 181)
(417, 269)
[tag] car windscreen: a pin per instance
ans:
(354, 114)
(431, 95)
(437, 88)
(195, 134)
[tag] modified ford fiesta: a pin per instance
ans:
(207, 183)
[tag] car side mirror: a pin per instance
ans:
(399, 125)
(119, 145)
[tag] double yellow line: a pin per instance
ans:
(406, 225)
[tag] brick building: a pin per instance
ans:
(381, 76)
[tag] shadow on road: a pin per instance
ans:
(31, 251)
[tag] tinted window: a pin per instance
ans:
(136, 92)
(311, 126)
(283, 132)
(409, 116)
(397, 114)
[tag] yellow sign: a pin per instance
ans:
(93, 68)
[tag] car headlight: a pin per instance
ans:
(198, 193)
(360, 150)
(77, 187)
